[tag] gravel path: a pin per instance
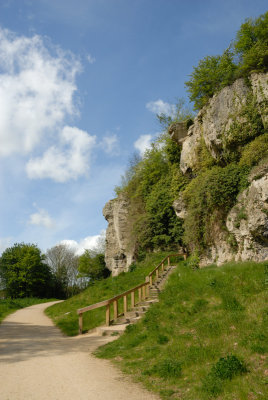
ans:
(38, 363)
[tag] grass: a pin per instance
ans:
(8, 306)
(206, 338)
(64, 314)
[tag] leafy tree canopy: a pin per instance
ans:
(248, 53)
(23, 271)
(93, 266)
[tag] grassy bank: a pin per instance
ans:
(8, 306)
(64, 314)
(206, 338)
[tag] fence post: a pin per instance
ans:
(115, 309)
(184, 256)
(151, 280)
(133, 299)
(157, 273)
(80, 323)
(125, 305)
(168, 261)
(108, 315)
(143, 292)
(162, 266)
(139, 294)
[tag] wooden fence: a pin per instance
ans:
(142, 290)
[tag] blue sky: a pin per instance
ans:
(80, 83)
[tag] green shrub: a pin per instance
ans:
(228, 367)
(251, 45)
(209, 197)
(212, 74)
(246, 126)
(225, 369)
(255, 151)
(169, 368)
(249, 52)
(162, 339)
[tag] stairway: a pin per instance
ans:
(139, 310)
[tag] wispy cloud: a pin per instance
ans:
(143, 143)
(41, 218)
(37, 89)
(67, 160)
(110, 144)
(91, 59)
(161, 107)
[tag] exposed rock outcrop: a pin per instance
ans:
(213, 122)
(119, 253)
(180, 207)
(248, 221)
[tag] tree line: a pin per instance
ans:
(26, 272)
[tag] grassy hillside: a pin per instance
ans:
(206, 338)
(64, 314)
(8, 306)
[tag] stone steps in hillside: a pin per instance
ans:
(135, 315)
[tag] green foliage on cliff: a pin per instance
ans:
(210, 190)
(209, 197)
(248, 53)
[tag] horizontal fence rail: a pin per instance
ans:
(142, 289)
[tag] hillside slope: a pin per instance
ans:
(206, 338)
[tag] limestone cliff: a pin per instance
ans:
(214, 121)
(246, 233)
(221, 130)
(119, 253)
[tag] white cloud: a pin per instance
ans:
(88, 243)
(91, 59)
(143, 143)
(37, 89)
(110, 144)
(41, 218)
(68, 160)
(161, 107)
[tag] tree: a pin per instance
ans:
(92, 266)
(64, 266)
(248, 52)
(251, 45)
(212, 74)
(23, 271)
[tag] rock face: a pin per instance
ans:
(214, 120)
(246, 236)
(247, 225)
(119, 253)
(248, 221)
(178, 131)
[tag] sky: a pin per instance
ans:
(81, 82)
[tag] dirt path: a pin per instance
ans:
(38, 363)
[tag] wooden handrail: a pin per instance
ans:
(143, 289)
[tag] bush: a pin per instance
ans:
(228, 367)
(209, 197)
(248, 53)
(225, 369)
(212, 74)
(169, 368)
(255, 151)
